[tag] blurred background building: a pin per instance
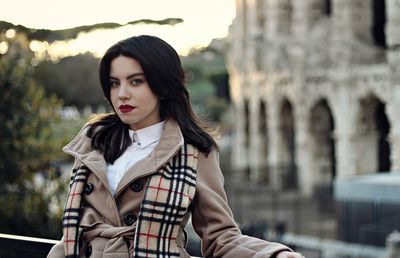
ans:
(315, 86)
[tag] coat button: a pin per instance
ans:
(137, 185)
(88, 188)
(129, 219)
(88, 250)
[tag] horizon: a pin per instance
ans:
(201, 23)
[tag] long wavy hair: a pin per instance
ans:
(163, 71)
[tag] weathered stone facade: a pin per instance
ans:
(316, 90)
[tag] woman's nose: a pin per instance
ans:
(123, 92)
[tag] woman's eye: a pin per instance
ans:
(137, 81)
(113, 83)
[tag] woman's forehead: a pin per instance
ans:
(123, 66)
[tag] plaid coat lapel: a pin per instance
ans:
(71, 216)
(167, 197)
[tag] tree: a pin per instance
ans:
(72, 33)
(28, 147)
(207, 81)
(74, 79)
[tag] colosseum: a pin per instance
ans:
(315, 86)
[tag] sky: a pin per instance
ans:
(203, 20)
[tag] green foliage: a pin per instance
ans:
(206, 79)
(167, 21)
(216, 108)
(29, 147)
(200, 91)
(23, 119)
(74, 79)
(221, 82)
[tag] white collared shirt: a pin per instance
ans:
(143, 143)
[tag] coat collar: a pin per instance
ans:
(171, 141)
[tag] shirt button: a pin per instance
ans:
(88, 250)
(88, 188)
(129, 219)
(137, 185)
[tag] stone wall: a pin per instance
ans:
(316, 95)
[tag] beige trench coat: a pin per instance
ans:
(108, 221)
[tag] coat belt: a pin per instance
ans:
(116, 236)
(108, 231)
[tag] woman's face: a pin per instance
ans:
(131, 96)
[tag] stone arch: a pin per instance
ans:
(260, 19)
(287, 165)
(246, 109)
(259, 39)
(318, 9)
(371, 140)
(247, 136)
(245, 24)
(378, 22)
(285, 16)
(263, 132)
(383, 127)
(327, 7)
(322, 148)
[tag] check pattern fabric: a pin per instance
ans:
(168, 195)
(72, 209)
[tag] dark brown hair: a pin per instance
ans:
(164, 73)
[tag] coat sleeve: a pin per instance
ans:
(213, 220)
(57, 251)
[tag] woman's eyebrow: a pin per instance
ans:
(129, 76)
(134, 75)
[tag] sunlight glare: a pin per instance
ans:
(36, 46)
(59, 49)
(10, 33)
(3, 47)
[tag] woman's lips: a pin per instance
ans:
(126, 108)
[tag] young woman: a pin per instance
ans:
(142, 171)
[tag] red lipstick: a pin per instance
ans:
(126, 108)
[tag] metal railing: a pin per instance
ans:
(13, 246)
(22, 246)
(326, 248)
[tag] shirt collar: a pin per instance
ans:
(148, 135)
